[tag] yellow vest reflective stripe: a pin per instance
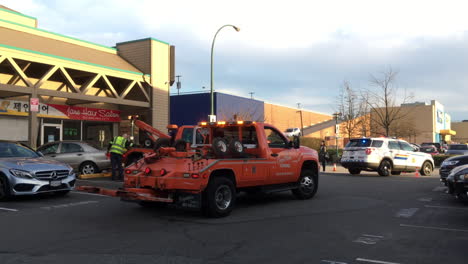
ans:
(118, 145)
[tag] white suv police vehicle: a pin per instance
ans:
(386, 156)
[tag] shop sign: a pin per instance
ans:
(21, 108)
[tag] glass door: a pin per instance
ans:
(51, 132)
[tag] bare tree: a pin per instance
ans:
(349, 107)
(383, 103)
(365, 114)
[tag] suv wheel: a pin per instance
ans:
(219, 197)
(308, 184)
(385, 168)
(354, 171)
(426, 169)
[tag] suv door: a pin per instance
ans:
(286, 158)
(414, 160)
(398, 156)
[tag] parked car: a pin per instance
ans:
(449, 164)
(457, 149)
(415, 146)
(80, 155)
(457, 183)
(429, 150)
(441, 147)
(386, 156)
(290, 132)
(25, 172)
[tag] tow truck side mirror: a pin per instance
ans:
(296, 142)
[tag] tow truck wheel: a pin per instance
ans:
(236, 147)
(220, 147)
(308, 184)
(219, 197)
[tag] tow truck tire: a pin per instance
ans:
(220, 147)
(219, 197)
(180, 145)
(385, 168)
(162, 143)
(236, 147)
(308, 184)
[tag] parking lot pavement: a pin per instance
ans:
(353, 219)
(340, 169)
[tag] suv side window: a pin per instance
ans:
(275, 138)
(405, 146)
(377, 143)
(393, 145)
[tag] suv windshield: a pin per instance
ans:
(15, 150)
(458, 147)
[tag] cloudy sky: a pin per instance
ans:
(287, 52)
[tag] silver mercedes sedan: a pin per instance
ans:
(25, 172)
(81, 156)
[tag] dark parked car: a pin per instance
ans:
(440, 146)
(457, 183)
(449, 164)
(457, 149)
(429, 150)
(80, 155)
(25, 172)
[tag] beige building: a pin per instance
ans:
(462, 132)
(55, 87)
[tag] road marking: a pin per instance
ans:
(67, 205)
(407, 213)
(375, 261)
(435, 228)
(368, 239)
(425, 199)
(439, 189)
(333, 262)
(445, 207)
(8, 209)
(93, 194)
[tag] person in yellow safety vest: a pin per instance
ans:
(117, 147)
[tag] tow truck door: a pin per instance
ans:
(284, 168)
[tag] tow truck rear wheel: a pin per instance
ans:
(220, 146)
(308, 184)
(219, 197)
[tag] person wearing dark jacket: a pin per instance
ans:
(323, 154)
(117, 147)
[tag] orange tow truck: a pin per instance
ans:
(224, 158)
(179, 138)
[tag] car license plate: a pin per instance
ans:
(55, 183)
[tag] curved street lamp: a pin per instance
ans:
(211, 76)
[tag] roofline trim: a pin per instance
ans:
(69, 59)
(143, 39)
(57, 34)
(17, 13)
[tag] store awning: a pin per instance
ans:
(448, 132)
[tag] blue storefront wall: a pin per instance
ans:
(230, 106)
(190, 109)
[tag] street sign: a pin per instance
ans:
(34, 104)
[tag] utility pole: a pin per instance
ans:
(179, 85)
(336, 115)
(300, 113)
(251, 95)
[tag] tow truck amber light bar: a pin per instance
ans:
(222, 123)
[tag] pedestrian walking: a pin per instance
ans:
(323, 154)
(117, 147)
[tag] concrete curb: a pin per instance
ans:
(96, 175)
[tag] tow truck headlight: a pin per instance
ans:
(21, 174)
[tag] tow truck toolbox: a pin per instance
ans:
(223, 159)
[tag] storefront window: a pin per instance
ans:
(71, 130)
(98, 134)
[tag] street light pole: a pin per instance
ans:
(300, 113)
(211, 76)
(336, 115)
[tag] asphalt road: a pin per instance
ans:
(353, 219)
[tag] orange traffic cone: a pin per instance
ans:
(334, 166)
(416, 173)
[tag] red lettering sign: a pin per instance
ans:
(86, 113)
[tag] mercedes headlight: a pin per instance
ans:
(21, 174)
(449, 162)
